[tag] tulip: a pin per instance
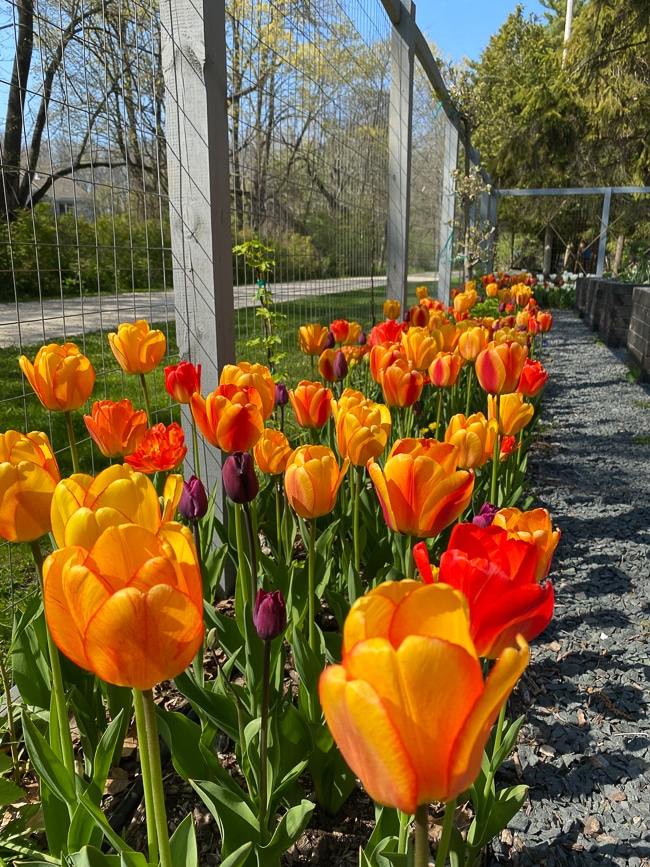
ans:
(362, 339)
(340, 329)
(392, 308)
(255, 376)
(533, 378)
(61, 376)
(131, 609)
(507, 446)
(418, 316)
(420, 346)
(354, 330)
(271, 452)
(496, 574)
(312, 338)
(463, 302)
(401, 384)
(312, 480)
(311, 403)
(269, 614)
(239, 479)
(444, 369)
(485, 515)
(386, 332)
(281, 394)
(136, 347)
(474, 436)
(329, 341)
(182, 380)
(381, 356)
(491, 290)
(230, 418)
(450, 334)
(545, 320)
(471, 342)
(193, 504)
(28, 477)
(332, 365)
(419, 489)
(421, 292)
(362, 431)
(499, 366)
(160, 449)
(514, 412)
(534, 525)
(408, 706)
(117, 428)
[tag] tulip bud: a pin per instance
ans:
(329, 343)
(361, 339)
(193, 503)
(239, 479)
(281, 394)
(269, 614)
(407, 316)
(485, 515)
(340, 365)
(417, 409)
(502, 307)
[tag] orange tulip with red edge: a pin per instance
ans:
(534, 525)
(61, 376)
(445, 454)
(161, 448)
(514, 412)
(362, 431)
(312, 338)
(136, 347)
(408, 706)
(471, 342)
(29, 475)
(507, 446)
(311, 403)
(533, 378)
(418, 316)
(326, 365)
(496, 574)
(230, 417)
(350, 397)
(401, 384)
(381, 356)
(418, 493)
(340, 329)
(444, 369)
(116, 427)
(255, 376)
(545, 320)
(474, 437)
(420, 346)
(182, 380)
(271, 452)
(499, 365)
(131, 608)
(392, 308)
(386, 332)
(312, 479)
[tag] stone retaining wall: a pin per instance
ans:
(638, 341)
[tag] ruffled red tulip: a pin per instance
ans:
(161, 448)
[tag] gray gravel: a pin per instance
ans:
(585, 745)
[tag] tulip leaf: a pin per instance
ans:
(212, 566)
(509, 735)
(288, 830)
(237, 822)
(49, 767)
(56, 819)
(218, 708)
(129, 858)
(505, 806)
(456, 848)
(29, 659)
(239, 857)
(9, 792)
(183, 844)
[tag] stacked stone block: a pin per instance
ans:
(638, 340)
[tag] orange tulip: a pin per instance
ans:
(362, 431)
(330, 367)
(421, 292)
(514, 412)
(418, 316)
(182, 380)
(271, 452)
(61, 376)
(545, 320)
(312, 338)
(499, 366)
(255, 376)
(536, 526)
(420, 490)
(350, 397)
(311, 403)
(136, 347)
(408, 706)
(116, 427)
(381, 356)
(444, 369)
(340, 329)
(533, 378)
(131, 609)
(474, 436)
(491, 290)
(28, 476)
(471, 342)
(392, 308)
(401, 384)
(160, 449)
(230, 417)
(386, 332)
(450, 334)
(420, 346)
(312, 480)
(354, 330)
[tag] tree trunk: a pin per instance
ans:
(548, 251)
(618, 255)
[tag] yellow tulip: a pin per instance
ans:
(28, 477)
(61, 376)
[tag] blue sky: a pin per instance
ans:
(462, 28)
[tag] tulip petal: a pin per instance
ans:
(433, 610)
(120, 552)
(65, 626)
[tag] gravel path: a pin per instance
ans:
(585, 746)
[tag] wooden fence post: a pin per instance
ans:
(447, 212)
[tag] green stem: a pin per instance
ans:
(264, 735)
(422, 849)
(195, 441)
(410, 559)
(313, 436)
(150, 814)
(11, 723)
(288, 524)
(73, 442)
(311, 613)
(447, 825)
(241, 555)
(495, 456)
(157, 791)
(498, 735)
(404, 825)
(278, 515)
(147, 405)
(470, 380)
(252, 547)
(438, 413)
(67, 752)
(199, 672)
(355, 523)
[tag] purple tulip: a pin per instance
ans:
(193, 503)
(361, 339)
(269, 614)
(340, 365)
(485, 515)
(329, 342)
(281, 394)
(239, 479)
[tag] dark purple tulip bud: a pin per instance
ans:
(361, 339)
(269, 614)
(417, 409)
(502, 307)
(193, 503)
(239, 479)
(329, 342)
(281, 394)
(340, 365)
(485, 515)
(407, 316)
